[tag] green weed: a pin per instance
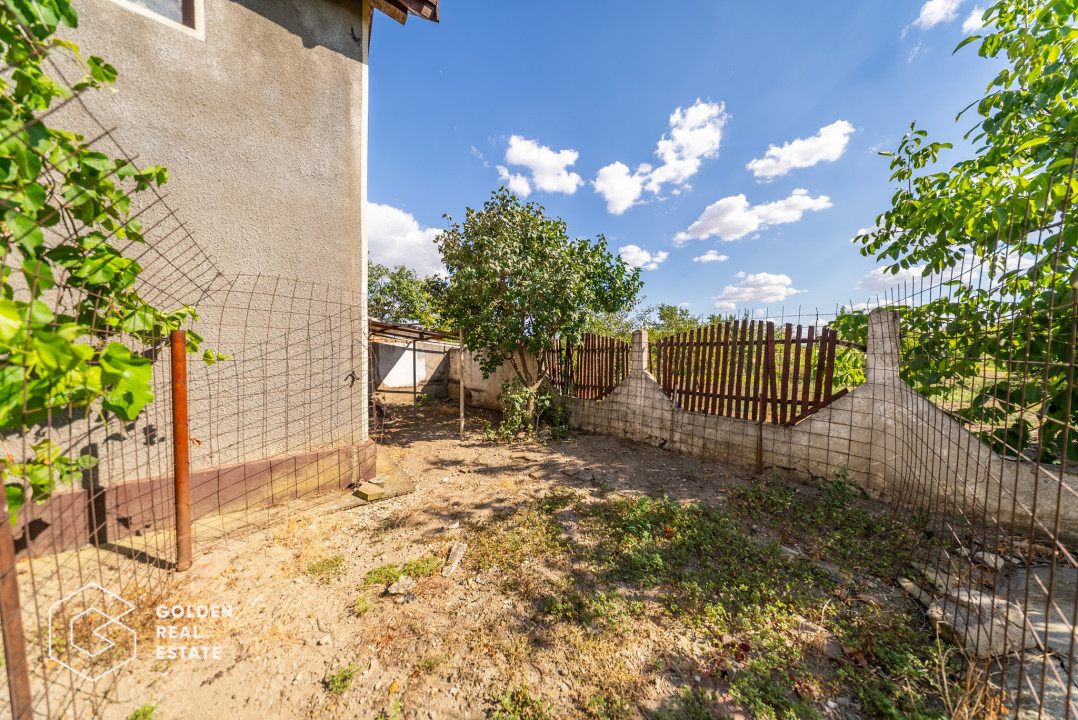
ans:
(145, 712)
(324, 571)
(422, 567)
(382, 575)
(339, 681)
(518, 704)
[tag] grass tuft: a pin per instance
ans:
(326, 570)
(422, 567)
(146, 711)
(339, 681)
(382, 575)
(518, 704)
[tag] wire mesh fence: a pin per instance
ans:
(988, 344)
(276, 411)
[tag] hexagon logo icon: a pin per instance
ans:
(86, 635)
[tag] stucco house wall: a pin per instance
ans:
(259, 113)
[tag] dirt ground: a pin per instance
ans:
(450, 645)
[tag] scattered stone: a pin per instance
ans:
(870, 600)
(991, 560)
(983, 624)
(941, 580)
(834, 571)
(402, 586)
(455, 554)
(831, 704)
(454, 526)
(326, 640)
(297, 679)
(914, 591)
(455, 691)
(407, 598)
(445, 479)
(789, 552)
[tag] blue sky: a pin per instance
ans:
(729, 148)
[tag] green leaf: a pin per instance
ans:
(11, 321)
(25, 231)
(38, 275)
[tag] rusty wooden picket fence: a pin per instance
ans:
(744, 369)
(590, 369)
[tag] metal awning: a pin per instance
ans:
(416, 334)
(413, 333)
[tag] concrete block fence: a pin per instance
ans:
(897, 444)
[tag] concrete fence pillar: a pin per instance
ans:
(882, 355)
(640, 350)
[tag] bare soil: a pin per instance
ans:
(447, 649)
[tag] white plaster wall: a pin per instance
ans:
(393, 368)
(260, 118)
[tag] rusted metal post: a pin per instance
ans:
(181, 444)
(415, 382)
(760, 426)
(18, 673)
(760, 437)
(460, 366)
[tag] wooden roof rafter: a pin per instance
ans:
(399, 10)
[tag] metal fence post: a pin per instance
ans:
(18, 673)
(181, 449)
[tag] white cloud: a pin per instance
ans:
(935, 12)
(517, 183)
(395, 238)
(974, 22)
(732, 217)
(711, 256)
(694, 135)
(549, 168)
(756, 288)
(479, 156)
(620, 188)
(791, 209)
(880, 280)
(684, 304)
(636, 256)
(828, 144)
(914, 53)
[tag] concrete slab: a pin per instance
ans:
(369, 492)
(1053, 698)
(1055, 617)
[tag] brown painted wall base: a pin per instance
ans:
(97, 515)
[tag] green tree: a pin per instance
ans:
(517, 282)
(68, 294)
(668, 320)
(399, 295)
(1010, 209)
